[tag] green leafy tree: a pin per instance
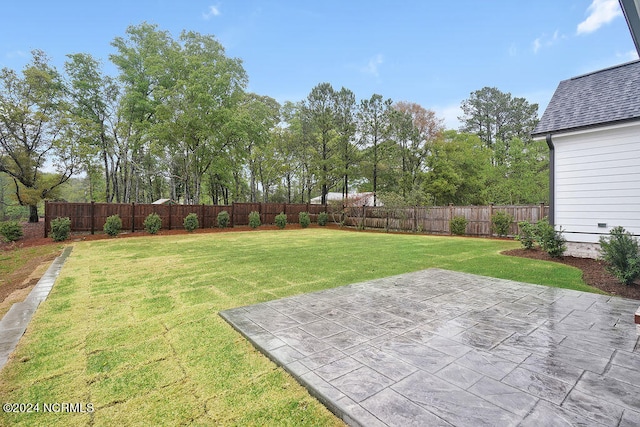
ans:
(497, 116)
(374, 118)
(93, 97)
(348, 153)
(36, 130)
(142, 58)
(319, 121)
(414, 130)
(178, 95)
(523, 175)
(457, 170)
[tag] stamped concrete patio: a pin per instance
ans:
(438, 347)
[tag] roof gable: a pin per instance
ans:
(599, 98)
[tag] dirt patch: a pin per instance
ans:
(594, 272)
(17, 285)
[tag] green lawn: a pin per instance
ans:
(132, 325)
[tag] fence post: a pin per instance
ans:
(387, 225)
(490, 221)
(415, 219)
(170, 203)
(364, 215)
(46, 218)
(93, 217)
(450, 217)
(233, 214)
(133, 217)
(541, 210)
(204, 225)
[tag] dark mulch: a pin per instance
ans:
(594, 272)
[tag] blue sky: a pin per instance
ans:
(432, 52)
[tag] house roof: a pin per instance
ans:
(603, 97)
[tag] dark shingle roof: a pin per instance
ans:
(603, 97)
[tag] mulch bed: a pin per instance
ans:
(594, 272)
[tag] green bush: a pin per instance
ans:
(527, 234)
(281, 220)
(550, 240)
(60, 229)
(323, 217)
(152, 223)
(190, 222)
(223, 219)
(500, 222)
(458, 225)
(621, 253)
(10, 231)
(304, 219)
(113, 225)
(254, 219)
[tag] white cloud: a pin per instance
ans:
(17, 54)
(373, 66)
(631, 55)
(450, 114)
(601, 12)
(213, 11)
(536, 45)
(546, 41)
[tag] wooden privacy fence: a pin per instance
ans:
(92, 216)
(434, 220)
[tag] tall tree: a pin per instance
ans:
(206, 88)
(93, 96)
(415, 129)
(35, 130)
(345, 123)
(374, 117)
(142, 58)
(497, 116)
(320, 121)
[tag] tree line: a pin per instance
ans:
(177, 122)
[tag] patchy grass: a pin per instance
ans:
(131, 325)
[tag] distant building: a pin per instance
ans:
(163, 202)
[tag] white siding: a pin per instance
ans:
(597, 180)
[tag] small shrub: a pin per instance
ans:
(152, 223)
(458, 225)
(550, 240)
(557, 246)
(113, 225)
(10, 231)
(281, 220)
(527, 234)
(323, 217)
(304, 219)
(622, 254)
(500, 222)
(60, 229)
(254, 219)
(190, 222)
(223, 219)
